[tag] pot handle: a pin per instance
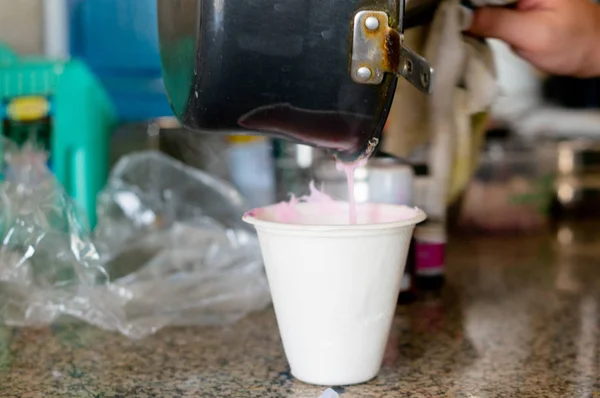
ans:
(378, 48)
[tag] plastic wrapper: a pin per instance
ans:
(329, 393)
(169, 249)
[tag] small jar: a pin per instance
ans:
(430, 255)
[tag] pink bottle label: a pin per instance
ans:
(429, 257)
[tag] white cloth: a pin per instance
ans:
(464, 86)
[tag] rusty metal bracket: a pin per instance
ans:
(378, 48)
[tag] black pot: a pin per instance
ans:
(278, 67)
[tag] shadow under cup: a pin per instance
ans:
(335, 285)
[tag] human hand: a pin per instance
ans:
(560, 37)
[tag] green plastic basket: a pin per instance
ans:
(80, 120)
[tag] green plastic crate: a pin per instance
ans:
(82, 120)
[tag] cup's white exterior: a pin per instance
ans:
(335, 290)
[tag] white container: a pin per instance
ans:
(381, 180)
(390, 182)
(335, 286)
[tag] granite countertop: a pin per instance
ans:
(519, 317)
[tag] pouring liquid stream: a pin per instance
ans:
(287, 212)
(348, 169)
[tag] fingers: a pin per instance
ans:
(508, 25)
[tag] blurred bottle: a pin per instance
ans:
(252, 169)
(430, 255)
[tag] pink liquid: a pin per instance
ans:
(287, 212)
(349, 168)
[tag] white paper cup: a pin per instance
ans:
(335, 287)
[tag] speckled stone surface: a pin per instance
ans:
(519, 317)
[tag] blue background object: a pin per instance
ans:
(118, 39)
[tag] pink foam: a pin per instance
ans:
(318, 208)
(287, 212)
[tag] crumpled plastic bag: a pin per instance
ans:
(169, 249)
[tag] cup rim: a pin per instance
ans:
(417, 218)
